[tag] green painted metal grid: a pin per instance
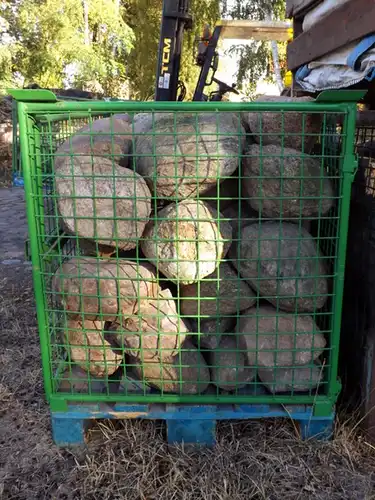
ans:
(60, 129)
(38, 150)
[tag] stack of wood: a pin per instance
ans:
(200, 271)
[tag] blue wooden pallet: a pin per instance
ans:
(191, 424)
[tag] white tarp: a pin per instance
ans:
(318, 13)
(339, 69)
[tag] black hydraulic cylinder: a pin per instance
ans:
(207, 65)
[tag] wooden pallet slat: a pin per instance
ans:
(189, 424)
(349, 22)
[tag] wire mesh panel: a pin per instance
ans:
(189, 252)
(17, 173)
(359, 314)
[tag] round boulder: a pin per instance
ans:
(183, 155)
(293, 129)
(101, 201)
(221, 293)
(106, 137)
(187, 241)
(274, 339)
(228, 365)
(282, 182)
(186, 373)
(153, 329)
(282, 262)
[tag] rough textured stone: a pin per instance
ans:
(292, 129)
(228, 364)
(221, 293)
(187, 241)
(102, 289)
(209, 332)
(282, 182)
(186, 373)
(283, 263)
(88, 348)
(86, 187)
(301, 379)
(106, 137)
(184, 155)
(153, 329)
(279, 339)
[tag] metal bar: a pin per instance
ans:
(210, 54)
(137, 107)
(41, 307)
(174, 398)
(349, 168)
(15, 155)
(175, 19)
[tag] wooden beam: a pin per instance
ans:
(296, 8)
(349, 22)
(256, 30)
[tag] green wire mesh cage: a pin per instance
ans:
(189, 252)
(17, 174)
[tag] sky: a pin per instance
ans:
(230, 67)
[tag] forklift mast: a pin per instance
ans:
(175, 20)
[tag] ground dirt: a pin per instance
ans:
(130, 460)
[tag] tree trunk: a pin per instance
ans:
(117, 10)
(86, 21)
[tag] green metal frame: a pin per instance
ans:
(31, 112)
(37, 95)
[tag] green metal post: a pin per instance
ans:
(29, 171)
(349, 167)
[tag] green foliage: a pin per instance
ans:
(104, 55)
(7, 50)
(253, 65)
(45, 38)
(256, 62)
(144, 16)
(255, 9)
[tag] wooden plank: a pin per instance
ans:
(349, 22)
(257, 30)
(298, 7)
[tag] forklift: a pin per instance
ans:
(176, 18)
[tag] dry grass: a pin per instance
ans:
(130, 460)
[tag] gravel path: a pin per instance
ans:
(13, 226)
